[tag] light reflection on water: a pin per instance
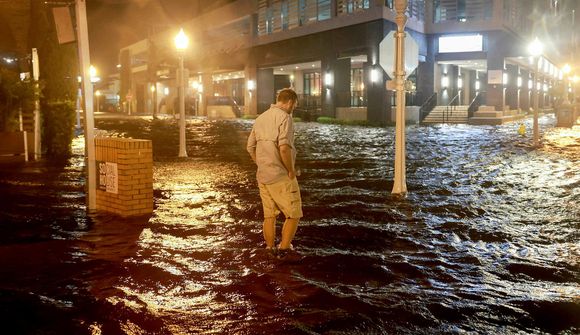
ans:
(485, 242)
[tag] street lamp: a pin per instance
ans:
(79, 101)
(181, 42)
(93, 74)
(535, 49)
(94, 80)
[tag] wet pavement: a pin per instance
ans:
(486, 242)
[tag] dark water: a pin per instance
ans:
(486, 242)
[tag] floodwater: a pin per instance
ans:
(486, 242)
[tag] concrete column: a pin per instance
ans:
(437, 75)
(511, 91)
(342, 82)
(468, 94)
(495, 62)
(335, 75)
(446, 94)
(299, 82)
(266, 94)
(378, 106)
(453, 73)
(525, 91)
(328, 91)
(207, 84)
(425, 80)
(250, 97)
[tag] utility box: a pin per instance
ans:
(565, 116)
(124, 176)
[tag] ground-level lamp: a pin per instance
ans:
(535, 50)
(181, 42)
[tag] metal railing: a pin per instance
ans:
(450, 108)
(475, 103)
(358, 99)
(309, 107)
(427, 106)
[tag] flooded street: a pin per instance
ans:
(486, 242)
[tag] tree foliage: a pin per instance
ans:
(58, 62)
(58, 128)
(15, 95)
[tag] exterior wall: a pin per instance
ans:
(234, 38)
(13, 148)
(125, 168)
(332, 48)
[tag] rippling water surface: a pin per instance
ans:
(486, 242)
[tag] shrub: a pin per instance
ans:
(326, 119)
(15, 94)
(366, 123)
(58, 124)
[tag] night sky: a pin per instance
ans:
(114, 24)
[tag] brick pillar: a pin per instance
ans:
(124, 176)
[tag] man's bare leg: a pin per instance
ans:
(288, 231)
(270, 232)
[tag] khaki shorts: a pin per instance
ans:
(281, 196)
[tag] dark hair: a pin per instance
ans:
(286, 94)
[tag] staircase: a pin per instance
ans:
(447, 114)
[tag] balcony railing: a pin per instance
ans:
(462, 11)
(281, 15)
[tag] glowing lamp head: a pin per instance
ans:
(92, 71)
(566, 69)
(536, 47)
(374, 75)
(181, 40)
(445, 81)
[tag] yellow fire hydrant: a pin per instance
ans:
(522, 130)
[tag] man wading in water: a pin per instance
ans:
(271, 145)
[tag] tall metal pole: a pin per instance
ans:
(85, 61)
(400, 183)
(181, 80)
(78, 106)
(36, 75)
(536, 130)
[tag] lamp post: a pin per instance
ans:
(400, 182)
(98, 95)
(181, 42)
(535, 49)
(94, 80)
(153, 90)
(79, 101)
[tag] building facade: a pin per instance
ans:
(328, 51)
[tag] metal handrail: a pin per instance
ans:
(475, 103)
(449, 109)
(427, 106)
